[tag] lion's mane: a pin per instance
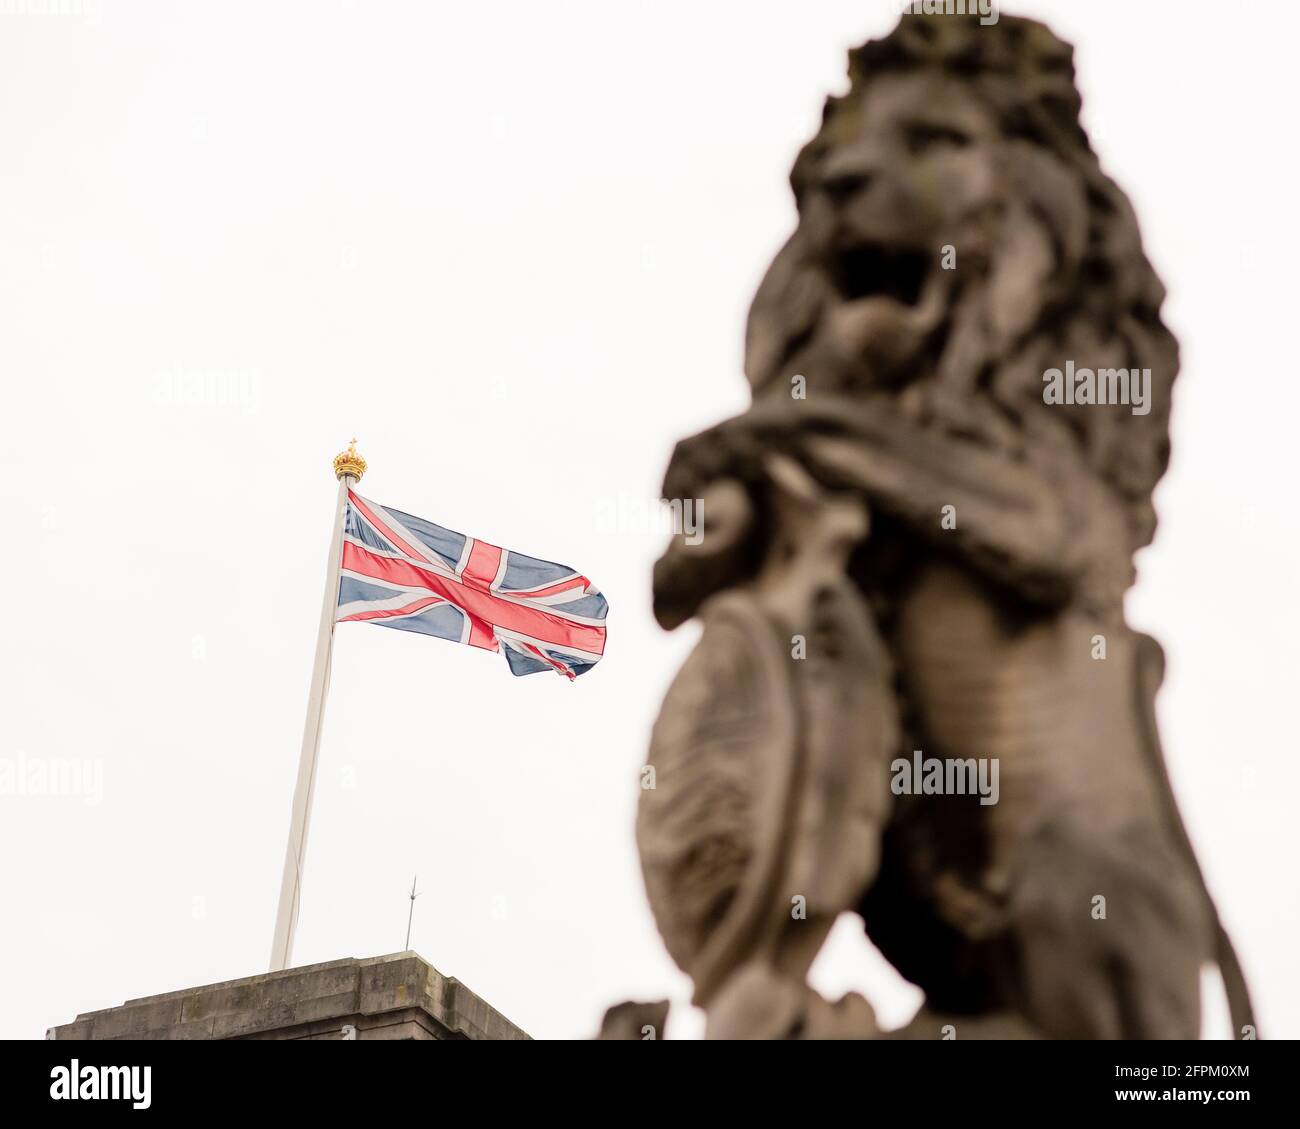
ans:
(1100, 308)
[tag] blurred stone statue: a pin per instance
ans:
(915, 695)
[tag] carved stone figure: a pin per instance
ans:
(911, 553)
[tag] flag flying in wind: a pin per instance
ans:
(401, 571)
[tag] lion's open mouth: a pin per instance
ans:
(874, 270)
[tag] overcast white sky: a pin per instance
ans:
(511, 248)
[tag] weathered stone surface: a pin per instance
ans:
(393, 997)
(635, 1019)
(919, 537)
(133, 1020)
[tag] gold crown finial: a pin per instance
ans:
(349, 462)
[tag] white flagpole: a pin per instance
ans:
(348, 468)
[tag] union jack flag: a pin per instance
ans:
(404, 572)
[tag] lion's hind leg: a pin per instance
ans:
(1110, 936)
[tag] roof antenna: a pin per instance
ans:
(413, 895)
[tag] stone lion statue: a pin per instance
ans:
(910, 554)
